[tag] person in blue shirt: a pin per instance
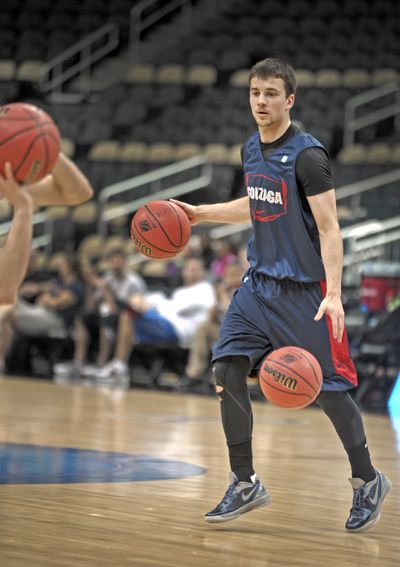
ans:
(291, 295)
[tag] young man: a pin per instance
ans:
(66, 185)
(291, 294)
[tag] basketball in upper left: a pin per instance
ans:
(29, 140)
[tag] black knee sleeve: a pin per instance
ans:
(345, 416)
(230, 374)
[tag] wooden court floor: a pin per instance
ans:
(107, 520)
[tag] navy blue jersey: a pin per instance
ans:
(286, 243)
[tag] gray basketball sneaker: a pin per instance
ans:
(241, 497)
(367, 502)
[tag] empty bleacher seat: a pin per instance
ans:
(7, 69)
(185, 151)
(105, 150)
(217, 153)
(162, 152)
(143, 73)
(30, 71)
(356, 78)
(328, 78)
(384, 75)
(134, 151)
(205, 75)
(68, 147)
(356, 153)
(171, 74)
(396, 154)
(305, 78)
(378, 153)
(239, 78)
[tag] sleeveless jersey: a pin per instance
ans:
(285, 244)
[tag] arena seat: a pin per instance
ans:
(68, 147)
(141, 73)
(354, 154)
(204, 75)
(105, 150)
(134, 151)
(30, 70)
(171, 74)
(186, 150)
(7, 69)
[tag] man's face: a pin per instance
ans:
(268, 101)
(193, 272)
(117, 263)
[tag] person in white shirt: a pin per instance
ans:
(156, 319)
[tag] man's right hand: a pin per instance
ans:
(190, 210)
(15, 194)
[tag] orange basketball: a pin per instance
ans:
(29, 140)
(160, 229)
(290, 377)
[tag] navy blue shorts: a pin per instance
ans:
(266, 314)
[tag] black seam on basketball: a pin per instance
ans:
(288, 392)
(19, 133)
(294, 372)
(179, 220)
(160, 225)
(297, 353)
(28, 152)
(150, 243)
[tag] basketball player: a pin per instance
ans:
(291, 294)
(66, 185)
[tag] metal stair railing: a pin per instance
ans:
(353, 124)
(60, 69)
(38, 219)
(139, 22)
(369, 239)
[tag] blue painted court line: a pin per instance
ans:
(36, 464)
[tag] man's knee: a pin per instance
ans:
(231, 372)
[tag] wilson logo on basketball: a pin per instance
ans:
(143, 248)
(145, 225)
(281, 378)
(37, 164)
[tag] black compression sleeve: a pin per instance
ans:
(314, 171)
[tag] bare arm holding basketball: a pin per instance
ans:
(15, 254)
(65, 185)
(323, 207)
(233, 212)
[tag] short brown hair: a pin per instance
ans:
(275, 68)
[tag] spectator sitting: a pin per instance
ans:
(109, 294)
(207, 333)
(54, 309)
(225, 256)
(32, 285)
(156, 319)
(51, 315)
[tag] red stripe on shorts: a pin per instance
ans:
(342, 361)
